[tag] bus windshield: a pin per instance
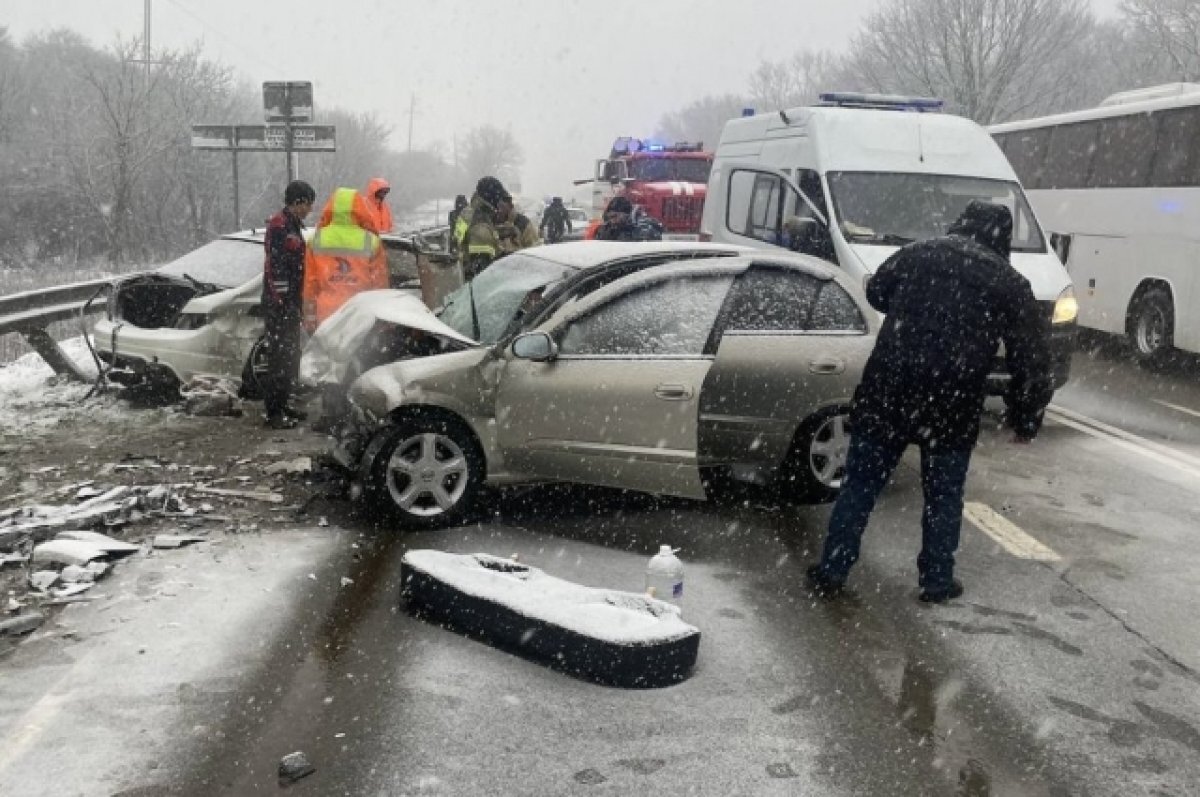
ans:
(895, 208)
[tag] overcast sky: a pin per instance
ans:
(566, 76)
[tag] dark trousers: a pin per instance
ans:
(869, 465)
(283, 335)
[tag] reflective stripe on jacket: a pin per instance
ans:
(344, 257)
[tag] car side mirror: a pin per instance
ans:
(535, 346)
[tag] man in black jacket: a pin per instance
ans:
(555, 221)
(624, 222)
(283, 278)
(948, 303)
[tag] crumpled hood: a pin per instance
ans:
(332, 347)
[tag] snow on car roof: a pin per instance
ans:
(584, 254)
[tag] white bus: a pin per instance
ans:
(1118, 186)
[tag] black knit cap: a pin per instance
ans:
(298, 191)
(491, 190)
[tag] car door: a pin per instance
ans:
(618, 405)
(793, 343)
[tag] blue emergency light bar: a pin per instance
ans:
(887, 102)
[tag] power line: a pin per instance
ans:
(220, 34)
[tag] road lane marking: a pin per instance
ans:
(1177, 407)
(1008, 535)
(1127, 440)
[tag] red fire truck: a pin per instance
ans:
(668, 180)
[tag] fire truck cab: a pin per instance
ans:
(668, 181)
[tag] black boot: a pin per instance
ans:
(951, 592)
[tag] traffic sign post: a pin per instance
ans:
(288, 108)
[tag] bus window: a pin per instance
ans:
(1124, 152)
(1177, 161)
(1069, 160)
(1026, 151)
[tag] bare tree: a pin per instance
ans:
(1172, 26)
(488, 150)
(795, 81)
(702, 120)
(990, 59)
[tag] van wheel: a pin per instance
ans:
(816, 464)
(1152, 328)
(429, 473)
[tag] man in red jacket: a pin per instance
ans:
(283, 281)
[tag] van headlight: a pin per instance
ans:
(1066, 308)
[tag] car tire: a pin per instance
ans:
(428, 474)
(1152, 328)
(254, 370)
(816, 463)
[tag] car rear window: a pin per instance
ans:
(225, 262)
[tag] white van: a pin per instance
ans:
(856, 177)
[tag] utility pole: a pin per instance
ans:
(412, 109)
(146, 39)
(146, 26)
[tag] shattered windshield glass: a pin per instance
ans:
(895, 208)
(504, 289)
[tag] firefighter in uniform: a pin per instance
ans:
(344, 257)
(475, 229)
(283, 279)
(515, 229)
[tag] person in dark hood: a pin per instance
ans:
(948, 303)
(555, 221)
(623, 223)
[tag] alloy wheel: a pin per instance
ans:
(827, 453)
(427, 474)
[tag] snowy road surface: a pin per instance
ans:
(1071, 666)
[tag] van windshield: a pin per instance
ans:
(895, 208)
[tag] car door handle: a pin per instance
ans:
(673, 392)
(827, 365)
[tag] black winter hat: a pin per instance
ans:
(298, 191)
(460, 201)
(491, 190)
(986, 223)
(619, 204)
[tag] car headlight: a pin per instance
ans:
(1066, 307)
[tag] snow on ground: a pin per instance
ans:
(34, 401)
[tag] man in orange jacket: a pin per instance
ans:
(377, 191)
(344, 257)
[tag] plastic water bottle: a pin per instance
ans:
(664, 576)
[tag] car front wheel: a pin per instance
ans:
(429, 473)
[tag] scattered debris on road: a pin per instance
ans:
(293, 767)
(168, 541)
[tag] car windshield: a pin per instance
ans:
(508, 287)
(894, 208)
(225, 262)
(687, 170)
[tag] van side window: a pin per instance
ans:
(753, 209)
(762, 206)
(810, 183)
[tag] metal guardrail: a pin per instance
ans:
(30, 313)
